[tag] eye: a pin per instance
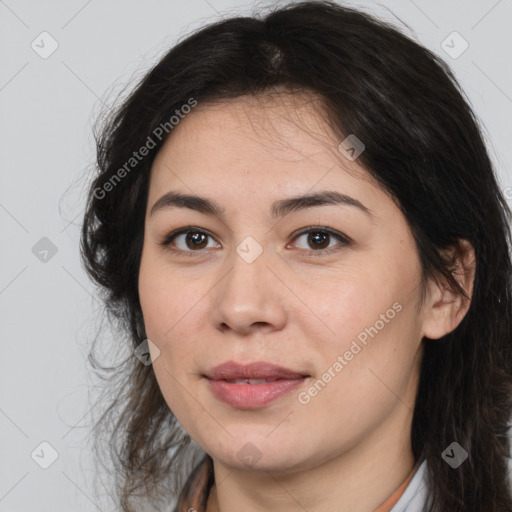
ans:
(195, 239)
(319, 238)
(192, 238)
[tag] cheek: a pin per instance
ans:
(369, 320)
(162, 305)
(169, 320)
(174, 316)
(361, 383)
(346, 303)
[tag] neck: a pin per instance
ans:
(358, 480)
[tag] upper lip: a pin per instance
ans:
(257, 370)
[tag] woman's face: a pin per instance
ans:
(336, 305)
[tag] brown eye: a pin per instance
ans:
(319, 240)
(195, 240)
(191, 240)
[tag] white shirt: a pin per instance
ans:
(415, 495)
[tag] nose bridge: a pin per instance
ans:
(250, 292)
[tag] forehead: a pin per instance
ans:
(277, 137)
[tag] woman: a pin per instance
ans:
(296, 221)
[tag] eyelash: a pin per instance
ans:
(345, 241)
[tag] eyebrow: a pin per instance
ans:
(278, 209)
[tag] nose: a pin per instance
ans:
(251, 297)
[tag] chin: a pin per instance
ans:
(260, 454)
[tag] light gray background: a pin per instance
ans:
(48, 310)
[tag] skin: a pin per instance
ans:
(348, 448)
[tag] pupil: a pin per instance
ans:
(195, 237)
(315, 238)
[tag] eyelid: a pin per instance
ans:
(343, 239)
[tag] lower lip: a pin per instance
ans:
(252, 396)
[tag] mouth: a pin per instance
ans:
(250, 381)
(259, 370)
(254, 385)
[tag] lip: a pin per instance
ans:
(252, 396)
(256, 370)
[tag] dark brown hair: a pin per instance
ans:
(423, 146)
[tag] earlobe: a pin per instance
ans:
(445, 308)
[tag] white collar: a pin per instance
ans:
(415, 494)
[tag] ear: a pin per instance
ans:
(444, 309)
